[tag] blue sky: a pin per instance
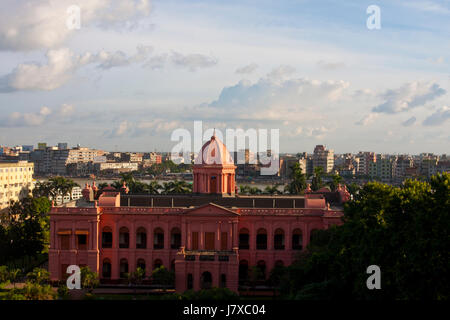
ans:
(138, 69)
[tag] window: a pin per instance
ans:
(223, 281)
(224, 241)
(194, 240)
(141, 238)
(124, 238)
(158, 239)
(209, 240)
(141, 264)
(244, 239)
(64, 241)
(243, 271)
(157, 264)
(261, 267)
(106, 269)
(261, 239)
(123, 268)
(297, 240)
(190, 281)
(82, 240)
(107, 237)
(278, 239)
(175, 238)
(313, 235)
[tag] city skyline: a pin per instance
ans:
(130, 76)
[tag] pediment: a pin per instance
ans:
(211, 209)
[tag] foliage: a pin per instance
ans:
(63, 292)
(26, 231)
(163, 277)
(403, 230)
(316, 182)
(38, 276)
(298, 183)
(54, 187)
(89, 279)
(335, 181)
(249, 190)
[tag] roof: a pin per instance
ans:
(214, 152)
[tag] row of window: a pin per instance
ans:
(124, 269)
(141, 238)
(175, 239)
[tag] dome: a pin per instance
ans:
(214, 152)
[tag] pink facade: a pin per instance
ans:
(210, 238)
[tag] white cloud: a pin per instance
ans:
(439, 117)
(247, 69)
(62, 65)
(409, 96)
(33, 119)
(367, 120)
(193, 61)
(28, 25)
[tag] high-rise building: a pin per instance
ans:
(323, 158)
(16, 181)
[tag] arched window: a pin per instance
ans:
(141, 264)
(244, 239)
(158, 239)
(261, 239)
(206, 280)
(297, 239)
(261, 266)
(313, 235)
(223, 281)
(123, 268)
(175, 238)
(190, 281)
(106, 269)
(141, 238)
(107, 237)
(243, 271)
(278, 239)
(124, 238)
(158, 263)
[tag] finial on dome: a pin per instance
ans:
(214, 134)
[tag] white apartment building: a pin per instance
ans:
(16, 181)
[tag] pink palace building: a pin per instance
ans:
(210, 238)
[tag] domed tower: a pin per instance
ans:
(214, 169)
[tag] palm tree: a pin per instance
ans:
(153, 187)
(272, 189)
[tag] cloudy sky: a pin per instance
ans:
(138, 69)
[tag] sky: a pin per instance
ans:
(136, 70)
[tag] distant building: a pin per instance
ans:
(323, 158)
(16, 181)
(382, 169)
(365, 158)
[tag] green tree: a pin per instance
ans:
(317, 182)
(38, 276)
(89, 279)
(335, 181)
(298, 183)
(403, 230)
(163, 277)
